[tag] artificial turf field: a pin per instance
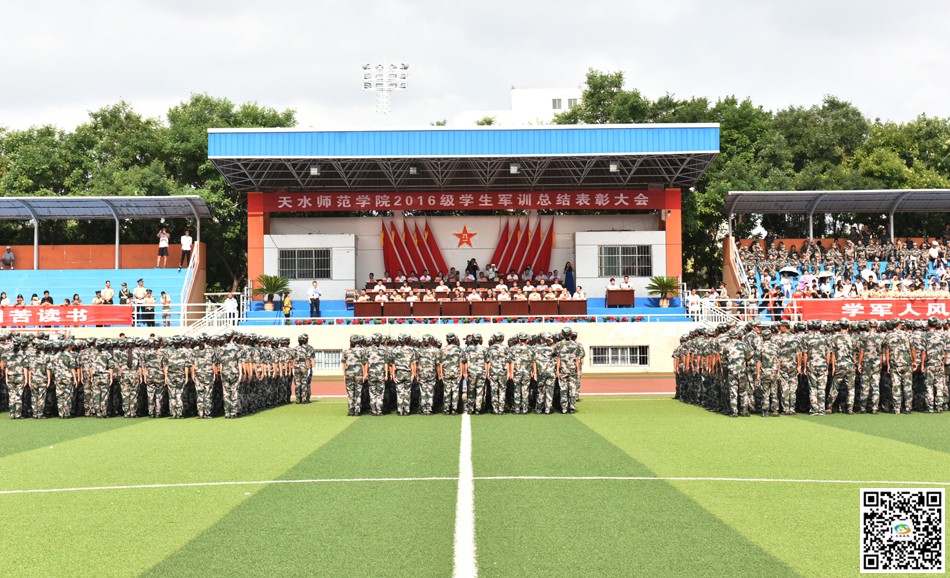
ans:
(305, 490)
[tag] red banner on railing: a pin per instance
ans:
(835, 309)
(487, 201)
(65, 315)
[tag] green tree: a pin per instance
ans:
(485, 121)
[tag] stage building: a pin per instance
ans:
(338, 205)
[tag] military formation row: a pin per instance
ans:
(229, 374)
(540, 373)
(816, 367)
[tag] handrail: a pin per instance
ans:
(737, 263)
(189, 280)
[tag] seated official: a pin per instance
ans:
(413, 278)
(556, 286)
(626, 284)
(541, 286)
(512, 276)
(442, 287)
(563, 295)
(469, 278)
(549, 296)
(428, 295)
(534, 296)
(363, 297)
(503, 296)
(400, 277)
(579, 293)
(519, 297)
(387, 278)
(612, 284)
(412, 298)
(425, 277)
(473, 295)
(405, 288)
(397, 298)
(381, 297)
(380, 287)
(527, 286)
(501, 286)
(371, 279)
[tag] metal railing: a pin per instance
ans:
(188, 285)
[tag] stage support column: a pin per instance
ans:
(674, 234)
(258, 225)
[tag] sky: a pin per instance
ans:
(64, 59)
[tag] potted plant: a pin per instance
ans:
(268, 286)
(663, 288)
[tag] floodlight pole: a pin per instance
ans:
(384, 79)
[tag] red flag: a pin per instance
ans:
(401, 252)
(388, 261)
(509, 253)
(428, 260)
(435, 251)
(418, 263)
(502, 245)
(534, 245)
(543, 261)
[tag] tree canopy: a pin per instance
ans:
(822, 147)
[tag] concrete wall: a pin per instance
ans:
(587, 256)
(318, 232)
(343, 256)
(56, 257)
(662, 338)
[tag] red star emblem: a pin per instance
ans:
(465, 238)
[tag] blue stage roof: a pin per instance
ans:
(551, 157)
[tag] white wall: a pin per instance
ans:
(586, 251)
(529, 106)
(368, 255)
(343, 256)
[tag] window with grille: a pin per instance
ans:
(571, 102)
(620, 260)
(556, 103)
(304, 263)
(327, 359)
(635, 356)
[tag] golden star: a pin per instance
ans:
(465, 238)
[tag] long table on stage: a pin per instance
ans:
(619, 298)
(484, 308)
(456, 308)
(367, 309)
(542, 307)
(397, 309)
(426, 309)
(572, 307)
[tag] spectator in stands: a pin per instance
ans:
(554, 276)
(7, 259)
(34, 300)
(19, 301)
(148, 305)
(125, 296)
(163, 237)
(76, 300)
(231, 309)
(67, 302)
(107, 293)
(528, 273)
(469, 277)
(4, 300)
(186, 243)
(166, 303)
(527, 286)
(97, 298)
(47, 299)
(453, 276)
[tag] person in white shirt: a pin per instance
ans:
(381, 297)
(400, 277)
(186, 243)
(425, 277)
(626, 284)
(412, 297)
(163, 237)
(491, 272)
(512, 276)
(534, 296)
(231, 309)
(442, 287)
(579, 293)
(413, 278)
(469, 277)
(527, 286)
(474, 295)
(501, 286)
(314, 294)
(504, 296)
(556, 286)
(693, 302)
(612, 284)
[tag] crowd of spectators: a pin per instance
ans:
(860, 266)
(146, 304)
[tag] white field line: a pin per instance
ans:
(624, 393)
(882, 483)
(465, 561)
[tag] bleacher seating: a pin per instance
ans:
(62, 284)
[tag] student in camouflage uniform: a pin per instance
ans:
(476, 369)
(65, 374)
(946, 366)
(205, 372)
(568, 354)
(546, 371)
(126, 356)
(427, 372)
(402, 368)
(897, 361)
(842, 368)
(40, 375)
(523, 370)
(817, 358)
(450, 372)
(499, 371)
(753, 341)
(303, 368)
(153, 373)
(934, 356)
(178, 369)
(767, 373)
(377, 364)
(870, 357)
(790, 367)
(916, 331)
(86, 353)
(232, 371)
(17, 375)
(354, 374)
(101, 371)
(733, 362)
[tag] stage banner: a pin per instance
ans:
(65, 315)
(489, 201)
(866, 309)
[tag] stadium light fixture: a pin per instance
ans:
(384, 79)
(614, 167)
(514, 168)
(413, 170)
(314, 170)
